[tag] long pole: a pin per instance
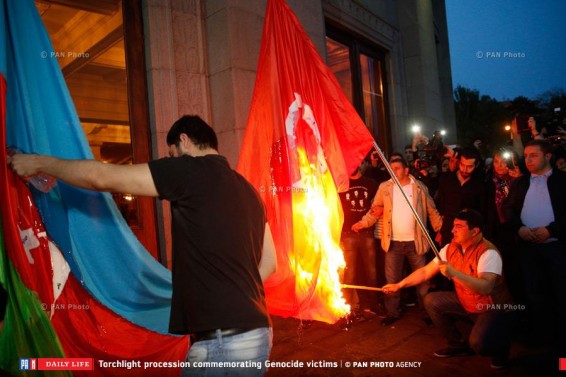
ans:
(415, 214)
(363, 287)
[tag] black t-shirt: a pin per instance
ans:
(356, 202)
(452, 197)
(218, 222)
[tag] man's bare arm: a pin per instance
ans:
(268, 262)
(88, 174)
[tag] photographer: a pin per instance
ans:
(420, 170)
(376, 170)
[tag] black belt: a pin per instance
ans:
(211, 334)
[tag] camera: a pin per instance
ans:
(422, 164)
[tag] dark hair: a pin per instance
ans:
(544, 145)
(196, 129)
(395, 155)
(400, 160)
(472, 217)
(559, 153)
(471, 153)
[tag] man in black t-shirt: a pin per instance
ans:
(222, 244)
(358, 247)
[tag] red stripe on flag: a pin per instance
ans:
(83, 325)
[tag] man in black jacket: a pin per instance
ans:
(461, 189)
(535, 211)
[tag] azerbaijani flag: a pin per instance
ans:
(79, 283)
(303, 139)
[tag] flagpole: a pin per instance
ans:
(415, 214)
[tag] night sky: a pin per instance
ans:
(508, 48)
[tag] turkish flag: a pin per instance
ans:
(301, 126)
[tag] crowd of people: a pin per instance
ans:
(498, 230)
(499, 222)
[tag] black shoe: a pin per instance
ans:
(454, 351)
(388, 320)
(499, 362)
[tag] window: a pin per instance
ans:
(99, 48)
(359, 68)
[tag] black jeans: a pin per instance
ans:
(359, 247)
(544, 273)
(490, 335)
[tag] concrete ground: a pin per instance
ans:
(408, 345)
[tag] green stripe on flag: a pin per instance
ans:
(27, 332)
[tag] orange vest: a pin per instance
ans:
(468, 263)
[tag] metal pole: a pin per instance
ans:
(415, 214)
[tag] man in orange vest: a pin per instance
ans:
(480, 296)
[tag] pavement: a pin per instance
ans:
(403, 349)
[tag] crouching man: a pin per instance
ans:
(480, 296)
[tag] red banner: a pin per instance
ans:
(302, 135)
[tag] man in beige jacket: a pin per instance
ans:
(402, 237)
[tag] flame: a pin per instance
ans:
(317, 222)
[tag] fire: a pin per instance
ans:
(317, 222)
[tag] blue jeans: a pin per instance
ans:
(251, 348)
(359, 247)
(394, 261)
(490, 335)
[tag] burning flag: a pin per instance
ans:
(303, 139)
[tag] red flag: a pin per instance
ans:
(302, 135)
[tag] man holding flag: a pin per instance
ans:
(210, 273)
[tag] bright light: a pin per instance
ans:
(442, 132)
(506, 155)
(416, 128)
(507, 128)
(128, 197)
